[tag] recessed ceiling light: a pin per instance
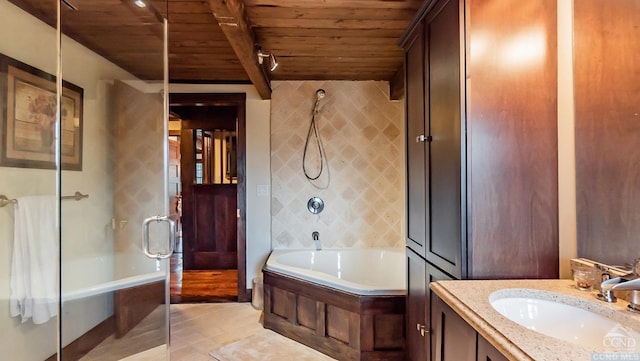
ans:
(140, 3)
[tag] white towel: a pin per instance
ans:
(34, 265)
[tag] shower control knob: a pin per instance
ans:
(315, 205)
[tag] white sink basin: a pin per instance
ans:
(565, 322)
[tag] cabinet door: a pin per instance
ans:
(419, 274)
(512, 138)
(453, 338)
(445, 127)
(433, 275)
(417, 325)
(486, 352)
(417, 212)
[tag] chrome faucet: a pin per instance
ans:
(316, 239)
(628, 282)
(605, 275)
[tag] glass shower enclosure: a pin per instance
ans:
(83, 180)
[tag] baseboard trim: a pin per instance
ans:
(87, 342)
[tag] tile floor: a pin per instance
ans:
(196, 330)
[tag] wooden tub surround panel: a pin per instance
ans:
(342, 325)
(133, 304)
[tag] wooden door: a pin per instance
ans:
(417, 211)
(209, 203)
(221, 111)
(214, 218)
(417, 332)
(420, 274)
(444, 114)
(512, 135)
(433, 274)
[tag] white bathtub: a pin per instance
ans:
(88, 292)
(363, 271)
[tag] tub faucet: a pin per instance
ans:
(628, 282)
(316, 239)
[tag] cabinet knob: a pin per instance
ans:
(422, 329)
(423, 138)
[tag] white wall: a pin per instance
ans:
(258, 174)
(23, 341)
(258, 169)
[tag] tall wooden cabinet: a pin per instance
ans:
(481, 127)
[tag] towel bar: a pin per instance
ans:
(4, 200)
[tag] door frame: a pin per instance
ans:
(237, 100)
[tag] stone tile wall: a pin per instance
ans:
(362, 132)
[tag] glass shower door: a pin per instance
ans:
(114, 297)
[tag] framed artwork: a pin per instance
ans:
(28, 118)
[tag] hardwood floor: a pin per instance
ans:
(201, 286)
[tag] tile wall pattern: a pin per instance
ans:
(138, 183)
(363, 136)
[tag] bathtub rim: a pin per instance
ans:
(114, 285)
(329, 280)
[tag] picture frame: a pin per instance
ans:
(28, 118)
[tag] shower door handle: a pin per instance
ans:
(145, 236)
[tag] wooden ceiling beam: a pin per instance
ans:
(232, 18)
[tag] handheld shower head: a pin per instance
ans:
(320, 93)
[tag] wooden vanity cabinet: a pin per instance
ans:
(455, 340)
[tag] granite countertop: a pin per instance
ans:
(470, 299)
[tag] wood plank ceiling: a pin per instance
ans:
(312, 39)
